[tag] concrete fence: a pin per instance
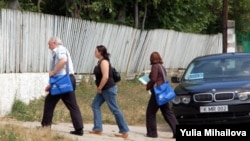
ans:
(20, 86)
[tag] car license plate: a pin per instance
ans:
(208, 109)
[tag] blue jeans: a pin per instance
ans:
(108, 95)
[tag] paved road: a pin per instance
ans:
(136, 132)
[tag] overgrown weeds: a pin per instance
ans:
(10, 132)
(132, 99)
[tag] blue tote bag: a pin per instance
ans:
(60, 84)
(164, 93)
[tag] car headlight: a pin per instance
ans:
(186, 99)
(176, 100)
(182, 99)
(243, 95)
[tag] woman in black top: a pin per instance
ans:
(106, 92)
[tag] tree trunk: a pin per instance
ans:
(136, 18)
(13, 4)
(75, 8)
(122, 14)
(144, 16)
(37, 3)
(225, 18)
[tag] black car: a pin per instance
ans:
(214, 89)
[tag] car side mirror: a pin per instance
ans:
(175, 79)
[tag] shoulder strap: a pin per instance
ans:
(67, 65)
(163, 72)
(99, 62)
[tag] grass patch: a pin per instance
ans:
(132, 99)
(10, 132)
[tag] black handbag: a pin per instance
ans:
(116, 75)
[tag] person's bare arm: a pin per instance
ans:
(105, 75)
(58, 66)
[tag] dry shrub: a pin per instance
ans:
(11, 132)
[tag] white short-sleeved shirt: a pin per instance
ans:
(59, 53)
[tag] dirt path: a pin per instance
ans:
(136, 132)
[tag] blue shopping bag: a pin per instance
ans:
(164, 93)
(60, 84)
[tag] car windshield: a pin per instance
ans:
(218, 68)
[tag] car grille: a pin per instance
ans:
(209, 97)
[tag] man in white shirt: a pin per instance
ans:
(61, 57)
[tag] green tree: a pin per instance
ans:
(13, 4)
(239, 10)
(184, 15)
(196, 16)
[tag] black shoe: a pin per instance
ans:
(79, 133)
(155, 136)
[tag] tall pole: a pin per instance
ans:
(225, 18)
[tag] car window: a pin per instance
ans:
(245, 68)
(218, 68)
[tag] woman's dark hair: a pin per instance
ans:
(102, 49)
(155, 58)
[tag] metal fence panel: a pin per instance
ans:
(24, 43)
